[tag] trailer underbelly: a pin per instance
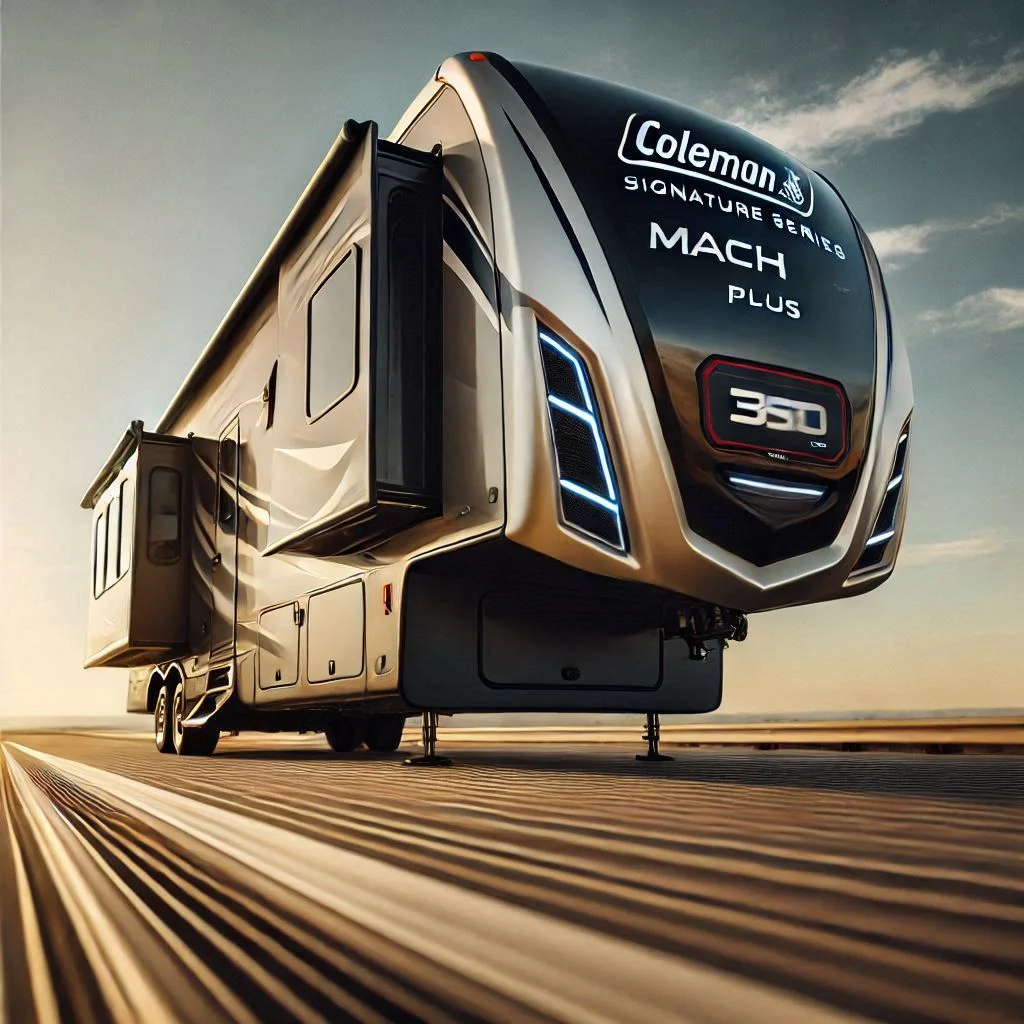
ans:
(496, 627)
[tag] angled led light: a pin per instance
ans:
(879, 538)
(873, 556)
(588, 492)
(759, 485)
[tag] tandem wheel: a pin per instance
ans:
(162, 721)
(344, 733)
(190, 741)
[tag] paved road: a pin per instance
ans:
(569, 884)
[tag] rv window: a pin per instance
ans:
(270, 395)
(333, 335)
(113, 540)
(228, 484)
(99, 556)
(124, 557)
(164, 542)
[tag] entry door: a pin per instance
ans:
(225, 559)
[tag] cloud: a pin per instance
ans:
(993, 311)
(887, 101)
(891, 245)
(951, 550)
(894, 245)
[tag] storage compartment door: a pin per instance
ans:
(530, 638)
(336, 634)
(279, 647)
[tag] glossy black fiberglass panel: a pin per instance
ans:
(724, 247)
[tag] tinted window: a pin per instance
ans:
(99, 554)
(226, 507)
(127, 526)
(333, 338)
(164, 535)
(113, 539)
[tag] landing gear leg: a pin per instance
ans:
(429, 755)
(653, 737)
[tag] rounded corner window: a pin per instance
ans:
(332, 338)
(163, 540)
(99, 553)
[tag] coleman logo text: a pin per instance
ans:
(646, 142)
(755, 409)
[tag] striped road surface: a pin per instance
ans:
(569, 883)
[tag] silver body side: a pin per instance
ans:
(295, 471)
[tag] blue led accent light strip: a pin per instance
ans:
(609, 502)
(584, 492)
(768, 486)
(879, 538)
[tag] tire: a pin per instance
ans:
(200, 741)
(345, 733)
(162, 733)
(384, 732)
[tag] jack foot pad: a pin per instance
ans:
(428, 759)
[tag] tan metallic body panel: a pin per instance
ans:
(289, 473)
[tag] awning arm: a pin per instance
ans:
(114, 464)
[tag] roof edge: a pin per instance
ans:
(326, 175)
(115, 462)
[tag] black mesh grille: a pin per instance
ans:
(872, 556)
(901, 458)
(563, 380)
(887, 517)
(592, 518)
(578, 458)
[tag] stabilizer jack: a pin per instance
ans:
(653, 737)
(429, 755)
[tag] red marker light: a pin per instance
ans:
(386, 596)
(478, 56)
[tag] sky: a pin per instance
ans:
(149, 151)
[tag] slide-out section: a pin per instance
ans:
(141, 547)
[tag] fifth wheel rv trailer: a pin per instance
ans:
(526, 408)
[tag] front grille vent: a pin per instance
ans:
(884, 530)
(588, 492)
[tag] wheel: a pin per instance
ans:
(345, 733)
(200, 740)
(384, 732)
(162, 722)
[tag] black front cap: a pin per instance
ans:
(721, 244)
